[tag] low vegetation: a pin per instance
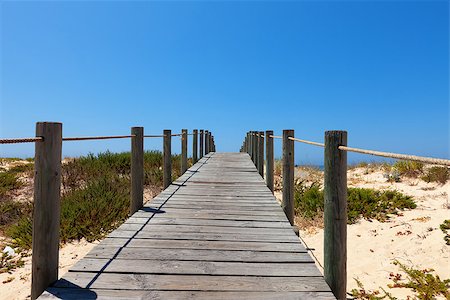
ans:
(362, 202)
(445, 227)
(95, 197)
(423, 283)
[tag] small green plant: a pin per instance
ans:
(423, 282)
(363, 293)
(409, 168)
(373, 204)
(367, 203)
(9, 263)
(9, 181)
(96, 196)
(436, 174)
(308, 200)
(445, 227)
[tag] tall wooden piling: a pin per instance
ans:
(194, 146)
(47, 207)
(288, 175)
(269, 159)
(184, 142)
(335, 213)
(167, 152)
(137, 169)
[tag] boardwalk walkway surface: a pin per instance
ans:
(216, 233)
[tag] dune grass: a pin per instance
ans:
(95, 196)
(362, 202)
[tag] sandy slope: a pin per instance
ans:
(413, 238)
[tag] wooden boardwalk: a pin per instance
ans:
(216, 233)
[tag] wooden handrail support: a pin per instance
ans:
(47, 207)
(335, 213)
(184, 142)
(195, 146)
(167, 158)
(137, 169)
(287, 202)
(269, 160)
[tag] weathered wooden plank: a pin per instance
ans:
(198, 255)
(192, 282)
(248, 217)
(197, 244)
(205, 236)
(204, 229)
(205, 222)
(74, 293)
(175, 267)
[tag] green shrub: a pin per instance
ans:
(308, 200)
(22, 232)
(95, 210)
(423, 282)
(373, 204)
(367, 203)
(96, 196)
(11, 211)
(437, 174)
(445, 227)
(9, 181)
(408, 168)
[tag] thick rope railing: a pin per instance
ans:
(306, 142)
(428, 160)
(423, 159)
(21, 140)
(88, 138)
(83, 138)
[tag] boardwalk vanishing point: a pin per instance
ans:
(217, 232)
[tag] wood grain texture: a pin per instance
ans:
(167, 157)
(216, 232)
(184, 150)
(137, 169)
(287, 202)
(335, 213)
(47, 207)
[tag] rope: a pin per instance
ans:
(154, 136)
(97, 137)
(177, 134)
(306, 142)
(429, 160)
(24, 140)
(276, 137)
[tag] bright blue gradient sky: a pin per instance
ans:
(379, 69)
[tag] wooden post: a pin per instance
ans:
(287, 202)
(201, 143)
(195, 146)
(261, 154)
(206, 142)
(257, 150)
(167, 175)
(254, 145)
(269, 159)
(47, 207)
(137, 169)
(249, 143)
(184, 141)
(335, 213)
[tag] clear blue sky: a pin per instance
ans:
(379, 69)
